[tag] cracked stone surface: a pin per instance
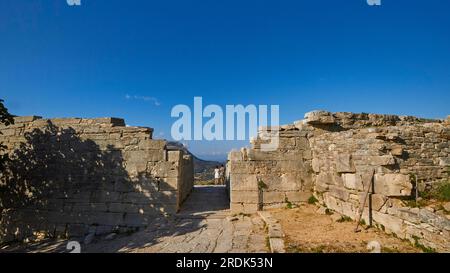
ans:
(204, 225)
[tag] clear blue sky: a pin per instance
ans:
(61, 61)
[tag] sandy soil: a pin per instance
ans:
(308, 231)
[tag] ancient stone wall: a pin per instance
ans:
(261, 179)
(345, 153)
(71, 177)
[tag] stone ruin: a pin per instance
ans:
(71, 177)
(335, 157)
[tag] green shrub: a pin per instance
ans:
(312, 200)
(344, 219)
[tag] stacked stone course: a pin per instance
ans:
(73, 176)
(339, 156)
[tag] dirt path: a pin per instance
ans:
(308, 231)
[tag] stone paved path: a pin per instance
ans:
(204, 225)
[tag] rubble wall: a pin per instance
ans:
(350, 152)
(71, 177)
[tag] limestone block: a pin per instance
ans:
(298, 196)
(444, 161)
(25, 119)
(315, 164)
(8, 132)
(319, 117)
(242, 167)
(169, 183)
(320, 187)
(134, 168)
(382, 160)
(235, 156)
(249, 197)
(286, 143)
(352, 181)
(332, 202)
(163, 169)
(150, 144)
(174, 156)
(284, 182)
(339, 192)
(290, 166)
(302, 143)
(392, 224)
(397, 150)
(324, 178)
(378, 200)
(243, 208)
(259, 155)
(344, 164)
(108, 120)
(243, 182)
(392, 184)
(273, 197)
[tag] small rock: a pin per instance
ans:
(322, 210)
(336, 217)
(446, 206)
(440, 212)
(111, 236)
(89, 238)
(232, 218)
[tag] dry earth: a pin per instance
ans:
(308, 231)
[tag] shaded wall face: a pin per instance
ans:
(75, 176)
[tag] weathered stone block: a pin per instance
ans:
(382, 160)
(339, 192)
(444, 161)
(243, 208)
(273, 197)
(247, 197)
(315, 164)
(392, 224)
(392, 184)
(352, 181)
(344, 164)
(150, 144)
(243, 182)
(25, 119)
(319, 117)
(298, 196)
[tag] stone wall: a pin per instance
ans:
(71, 177)
(343, 154)
(260, 179)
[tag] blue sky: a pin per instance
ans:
(136, 59)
